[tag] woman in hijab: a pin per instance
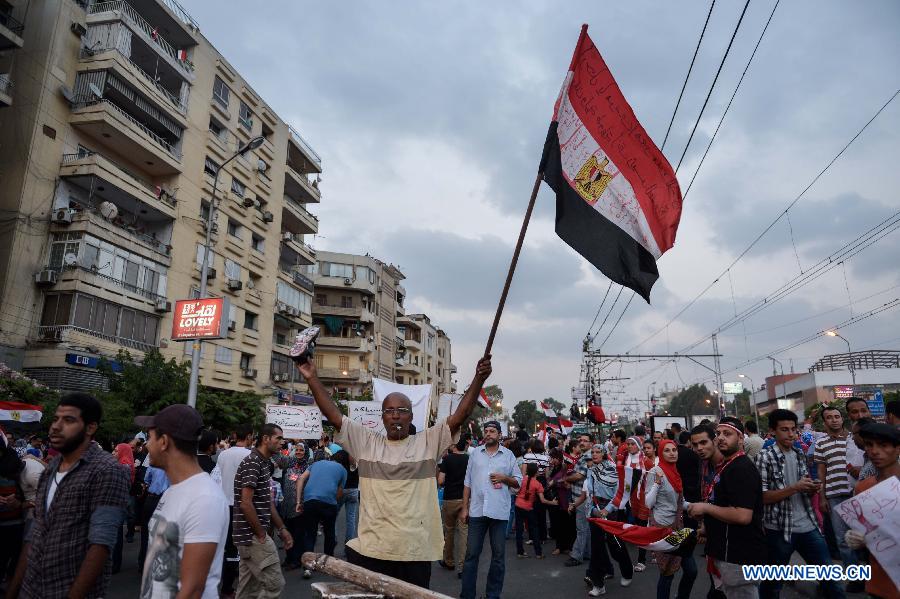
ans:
(125, 456)
(636, 459)
(297, 465)
(665, 499)
(12, 509)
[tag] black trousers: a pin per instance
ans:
(563, 528)
(600, 563)
(150, 504)
(417, 573)
(314, 512)
(230, 561)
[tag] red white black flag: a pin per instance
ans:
(617, 199)
(652, 538)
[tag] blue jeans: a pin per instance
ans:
(812, 548)
(350, 503)
(688, 576)
(478, 528)
(512, 517)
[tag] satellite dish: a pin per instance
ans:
(96, 91)
(261, 166)
(67, 94)
(70, 259)
(109, 210)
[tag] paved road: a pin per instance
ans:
(525, 578)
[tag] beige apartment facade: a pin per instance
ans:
(120, 116)
(425, 358)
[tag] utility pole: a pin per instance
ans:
(718, 366)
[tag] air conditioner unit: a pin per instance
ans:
(248, 202)
(232, 325)
(163, 306)
(293, 311)
(286, 236)
(63, 216)
(235, 285)
(348, 281)
(268, 217)
(78, 29)
(250, 373)
(46, 277)
(210, 273)
(283, 308)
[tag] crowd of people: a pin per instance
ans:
(227, 517)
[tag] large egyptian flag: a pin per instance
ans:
(651, 538)
(617, 199)
(18, 417)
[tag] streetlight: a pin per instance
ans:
(204, 267)
(849, 353)
(752, 399)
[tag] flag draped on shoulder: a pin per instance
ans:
(651, 538)
(629, 479)
(617, 199)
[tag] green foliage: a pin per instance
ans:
(557, 406)
(526, 415)
(741, 405)
(15, 386)
(692, 401)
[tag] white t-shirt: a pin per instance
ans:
(193, 511)
(228, 463)
(55, 480)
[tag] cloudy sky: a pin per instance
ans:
(430, 118)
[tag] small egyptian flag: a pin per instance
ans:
(483, 400)
(651, 538)
(617, 199)
(548, 411)
(629, 480)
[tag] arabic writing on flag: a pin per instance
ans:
(618, 203)
(651, 538)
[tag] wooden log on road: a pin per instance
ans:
(388, 586)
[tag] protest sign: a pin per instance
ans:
(418, 395)
(875, 514)
(297, 422)
(447, 404)
(368, 414)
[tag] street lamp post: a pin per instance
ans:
(204, 266)
(849, 353)
(752, 400)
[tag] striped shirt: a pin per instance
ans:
(832, 451)
(255, 472)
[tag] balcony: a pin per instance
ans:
(128, 236)
(11, 31)
(5, 90)
(350, 343)
(97, 279)
(297, 252)
(336, 374)
(92, 171)
(355, 283)
(125, 135)
(71, 333)
(119, 10)
(296, 219)
(301, 157)
(298, 187)
(413, 345)
(404, 366)
(325, 310)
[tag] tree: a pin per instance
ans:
(556, 406)
(696, 399)
(495, 396)
(526, 415)
(741, 405)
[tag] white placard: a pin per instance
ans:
(368, 414)
(447, 404)
(876, 514)
(418, 395)
(297, 422)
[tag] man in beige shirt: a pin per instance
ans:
(400, 530)
(752, 441)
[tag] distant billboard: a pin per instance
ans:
(204, 318)
(733, 388)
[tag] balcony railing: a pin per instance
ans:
(144, 129)
(299, 208)
(175, 100)
(90, 213)
(56, 333)
(138, 21)
(157, 191)
(306, 147)
(5, 83)
(182, 14)
(344, 375)
(10, 23)
(118, 283)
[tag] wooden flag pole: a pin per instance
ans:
(512, 264)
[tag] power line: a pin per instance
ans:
(608, 335)
(610, 310)
(590, 328)
(721, 120)
(711, 87)
(770, 226)
(686, 77)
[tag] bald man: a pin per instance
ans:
(400, 529)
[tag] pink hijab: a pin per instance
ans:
(126, 457)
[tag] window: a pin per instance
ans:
(232, 270)
(344, 363)
(280, 339)
(238, 188)
(320, 360)
(364, 273)
(63, 243)
(221, 93)
(258, 243)
(321, 299)
(267, 132)
(281, 364)
(204, 211)
(292, 297)
(251, 321)
(223, 354)
(346, 301)
(211, 259)
(332, 269)
(57, 309)
(210, 167)
(262, 168)
(245, 117)
(246, 361)
(235, 229)
(217, 129)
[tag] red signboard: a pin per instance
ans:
(200, 319)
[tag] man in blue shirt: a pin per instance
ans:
(490, 475)
(156, 482)
(318, 491)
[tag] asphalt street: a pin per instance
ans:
(525, 578)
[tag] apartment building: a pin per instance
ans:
(112, 144)
(357, 300)
(425, 356)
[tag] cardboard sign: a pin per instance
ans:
(368, 414)
(204, 318)
(876, 514)
(297, 422)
